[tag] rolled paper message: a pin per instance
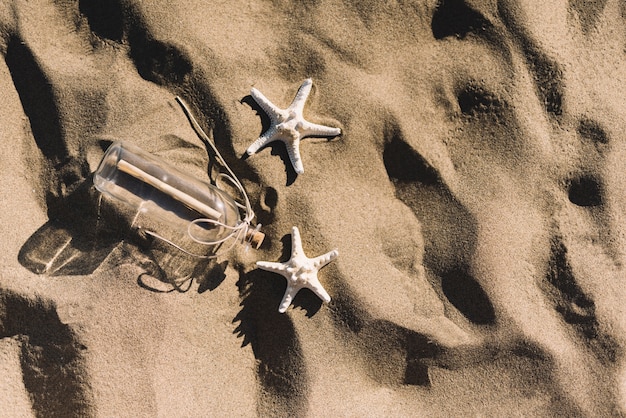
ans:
(188, 200)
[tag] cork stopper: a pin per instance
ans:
(255, 238)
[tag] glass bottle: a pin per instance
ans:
(192, 216)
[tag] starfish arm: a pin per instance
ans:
(303, 93)
(268, 107)
(278, 268)
(293, 151)
(313, 129)
(319, 290)
(261, 141)
(296, 243)
(322, 260)
(287, 298)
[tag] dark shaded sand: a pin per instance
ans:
(476, 197)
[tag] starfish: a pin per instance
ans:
(288, 125)
(300, 271)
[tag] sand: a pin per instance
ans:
(476, 197)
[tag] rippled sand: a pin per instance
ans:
(476, 196)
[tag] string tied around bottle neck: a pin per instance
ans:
(243, 232)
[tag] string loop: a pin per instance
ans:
(239, 232)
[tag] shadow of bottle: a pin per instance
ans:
(78, 236)
(86, 226)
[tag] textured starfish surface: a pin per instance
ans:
(288, 125)
(300, 271)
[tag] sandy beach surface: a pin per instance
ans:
(476, 196)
